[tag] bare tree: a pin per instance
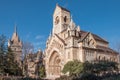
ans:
(27, 48)
(2, 51)
(2, 44)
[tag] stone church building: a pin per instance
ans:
(68, 42)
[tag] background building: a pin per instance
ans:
(16, 46)
(32, 63)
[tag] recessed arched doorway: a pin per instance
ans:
(54, 64)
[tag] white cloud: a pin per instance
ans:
(39, 45)
(39, 37)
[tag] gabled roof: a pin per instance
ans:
(96, 37)
(60, 39)
(83, 35)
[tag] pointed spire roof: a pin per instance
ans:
(72, 24)
(78, 28)
(15, 30)
(15, 37)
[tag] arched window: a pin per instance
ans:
(57, 20)
(68, 33)
(99, 58)
(65, 18)
(75, 33)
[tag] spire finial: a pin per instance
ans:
(56, 4)
(15, 28)
(71, 17)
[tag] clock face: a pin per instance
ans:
(57, 20)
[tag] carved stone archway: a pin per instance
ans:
(54, 64)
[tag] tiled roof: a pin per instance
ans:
(107, 49)
(83, 35)
(63, 8)
(99, 38)
(96, 37)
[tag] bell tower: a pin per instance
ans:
(61, 17)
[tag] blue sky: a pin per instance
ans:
(34, 18)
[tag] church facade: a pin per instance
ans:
(68, 42)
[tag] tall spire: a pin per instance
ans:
(15, 28)
(72, 24)
(15, 35)
(56, 4)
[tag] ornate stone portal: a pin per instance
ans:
(53, 59)
(54, 64)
